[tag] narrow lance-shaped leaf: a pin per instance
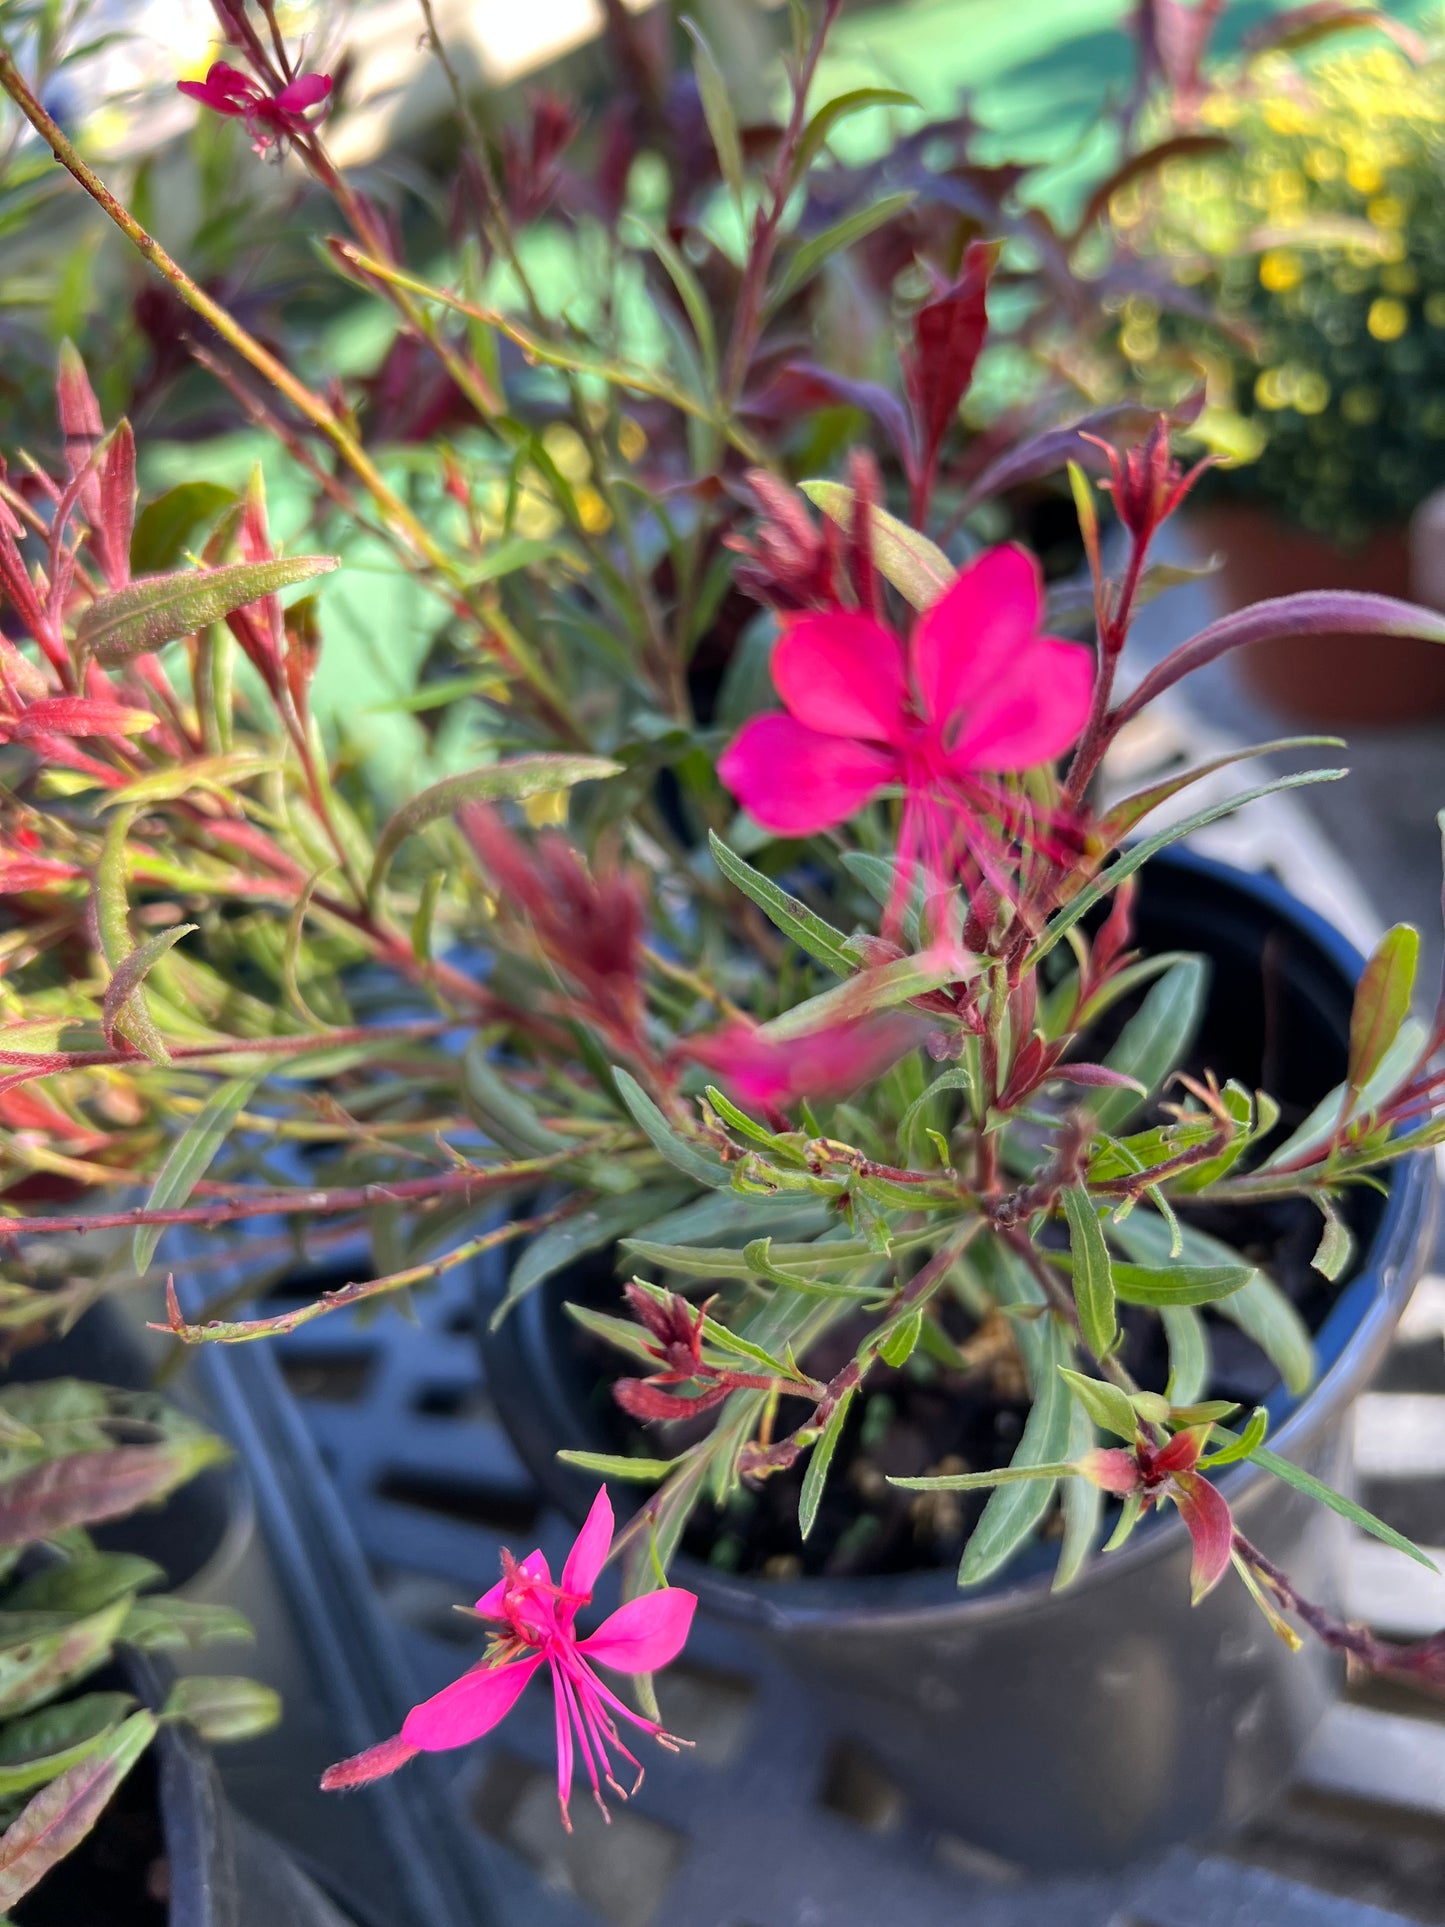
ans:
(699, 1165)
(35, 1666)
(59, 1817)
(154, 610)
(88, 1487)
(816, 1476)
(1083, 1506)
(1382, 1002)
(833, 112)
(916, 567)
(192, 1155)
(789, 913)
(130, 973)
(813, 254)
(561, 1244)
(1013, 1512)
(1160, 1285)
(717, 109)
(511, 781)
(1107, 1405)
(1154, 1040)
(41, 1745)
(1093, 1271)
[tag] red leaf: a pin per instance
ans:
(117, 506)
(59, 1817)
(87, 1487)
(642, 1400)
(947, 335)
(79, 716)
(80, 423)
(1210, 1527)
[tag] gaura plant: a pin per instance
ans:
(828, 1015)
(74, 1456)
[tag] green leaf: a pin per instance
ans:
(1154, 1041)
(1179, 1284)
(690, 292)
(168, 526)
(37, 1663)
(1336, 1245)
(816, 1476)
(1117, 822)
(33, 1750)
(1188, 1353)
(1251, 1119)
(1107, 1405)
(698, 1165)
(1259, 1307)
(192, 1155)
(510, 781)
(157, 609)
(793, 917)
(1324, 1120)
(899, 1345)
(1382, 1002)
(1245, 1446)
(223, 1707)
(562, 1244)
(1304, 1481)
(1130, 1514)
(811, 255)
(1264, 1314)
(610, 1465)
(916, 567)
(717, 109)
(833, 112)
(84, 1583)
(1138, 854)
(1093, 1271)
(503, 1113)
(122, 993)
(59, 1817)
(506, 558)
(978, 1481)
(1083, 1506)
(167, 1624)
(1011, 1515)
(773, 1142)
(219, 775)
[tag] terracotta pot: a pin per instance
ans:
(1322, 679)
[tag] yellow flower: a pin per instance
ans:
(1280, 269)
(1388, 319)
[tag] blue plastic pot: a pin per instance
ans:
(1099, 1725)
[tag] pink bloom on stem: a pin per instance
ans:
(538, 1621)
(976, 692)
(773, 1073)
(1152, 1473)
(268, 117)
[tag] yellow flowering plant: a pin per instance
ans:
(1308, 219)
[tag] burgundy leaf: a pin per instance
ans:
(1096, 1074)
(80, 424)
(948, 333)
(87, 1487)
(1298, 26)
(1047, 452)
(804, 385)
(1314, 612)
(642, 1400)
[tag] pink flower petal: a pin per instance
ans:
(1211, 1528)
(773, 1073)
(645, 1634)
(842, 674)
(969, 636)
(589, 1552)
(469, 1707)
(535, 1565)
(1031, 712)
(1113, 1468)
(795, 781)
(307, 90)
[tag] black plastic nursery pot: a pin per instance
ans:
(1088, 1728)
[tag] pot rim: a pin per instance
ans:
(1352, 1339)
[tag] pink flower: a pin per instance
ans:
(538, 1622)
(976, 692)
(772, 1073)
(268, 118)
(1152, 1473)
